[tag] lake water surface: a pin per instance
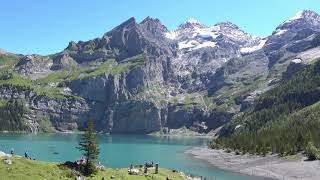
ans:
(118, 151)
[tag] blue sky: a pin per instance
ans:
(46, 26)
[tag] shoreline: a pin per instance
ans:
(206, 136)
(8, 158)
(270, 166)
(181, 135)
(17, 167)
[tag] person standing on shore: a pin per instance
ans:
(26, 155)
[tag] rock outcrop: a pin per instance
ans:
(142, 78)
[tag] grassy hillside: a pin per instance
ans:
(9, 77)
(282, 120)
(22, 168)
(108, 66)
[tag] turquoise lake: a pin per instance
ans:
(119, 151)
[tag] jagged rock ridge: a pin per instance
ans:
(142, 78)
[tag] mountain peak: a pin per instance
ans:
(304, 14)
(153, 25)
(149, 19)
(298, 15)
(304, 19)
(227, 24)
(192, 24)
(130, 22)
(192, 21)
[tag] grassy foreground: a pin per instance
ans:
(25, 169)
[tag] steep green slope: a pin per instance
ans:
(22, 168)
(96, 68)
(281, 120)
(9, 77)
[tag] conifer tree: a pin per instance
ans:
(88, 146)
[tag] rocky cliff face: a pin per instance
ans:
(142, 78)
(63, 114)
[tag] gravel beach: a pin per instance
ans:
(270, 166)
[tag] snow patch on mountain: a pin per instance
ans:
(206, 44)
(302, 19)
(298, 15)
(205, 33)
(254, 48)
(296, 61)
(193, 35)
(193, 45)
(190, 28)
(171, 35)
(304, 14)
(279, 32)
(187, 44)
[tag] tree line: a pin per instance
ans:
(284, 120)
(11, 116)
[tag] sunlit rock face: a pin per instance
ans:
(141, 78)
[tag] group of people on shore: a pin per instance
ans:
(83, 161)
(26, 154)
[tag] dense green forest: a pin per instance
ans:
(11, 116)
(284, 120)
